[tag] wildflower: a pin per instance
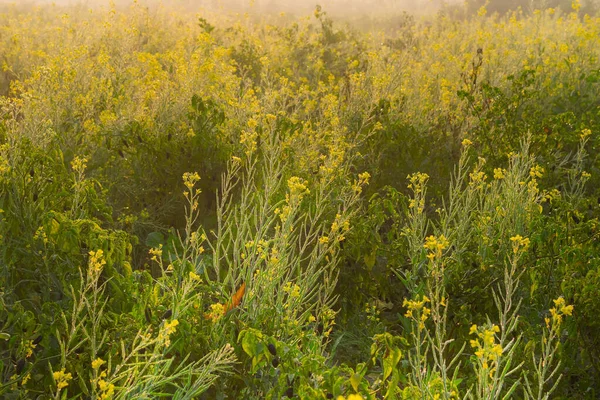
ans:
(195, 277)
(62, 379)
(79, 164)
(107, 389)
(499, 173)
(217, 310)
(156, 253)
(585, 133)
(478, 179)
(466, 143)
(29, 349)
(559, 310)
(417, 310)
(96, 262)
(436, 246)
(97, 363)
(536, 171)
(168, 328)
(190, 179)
(519, 243)
(297, 185)
(487, 350)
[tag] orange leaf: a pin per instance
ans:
(237, 298)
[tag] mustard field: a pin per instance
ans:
(218, 205)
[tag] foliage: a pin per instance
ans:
(261, 206)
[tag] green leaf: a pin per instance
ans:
(4, 336)
(154, 239)
(355, 381)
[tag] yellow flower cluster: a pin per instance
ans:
(487, 350)
(217, 311)
(417, 310)
(156, 253)
(190, 179)
(499, 173)
(96, 262)
(62, 379)
(363, 180)
(79, 164)
(585, 133)
(168, 328)
(436, 246)
(417, 183)
(297, 186)
(292, 289)
(106, 389)
(477, 179)
(195, 277)
(519, 243)
(536, 171)
(557, 313)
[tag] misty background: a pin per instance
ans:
(340, 8)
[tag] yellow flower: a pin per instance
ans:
(195, 277)
(536, 171)
(167, 329)
(190, 179)
(499, 173)
(96, 261)
(217, 310)
(585, 133)
(62, 379)
(97, 363)
(519, 243)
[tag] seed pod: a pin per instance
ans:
(38, 340)
(275, 362)
(125, 143)
(139, 138)
(148, 315)
(32, 172)
(329, 396)
(272, 349)
(289, 392)
(121, 153)
(169, 136)
(20, 365)
(168, 314)
(35, 196)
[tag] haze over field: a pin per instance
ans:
(339, 7)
